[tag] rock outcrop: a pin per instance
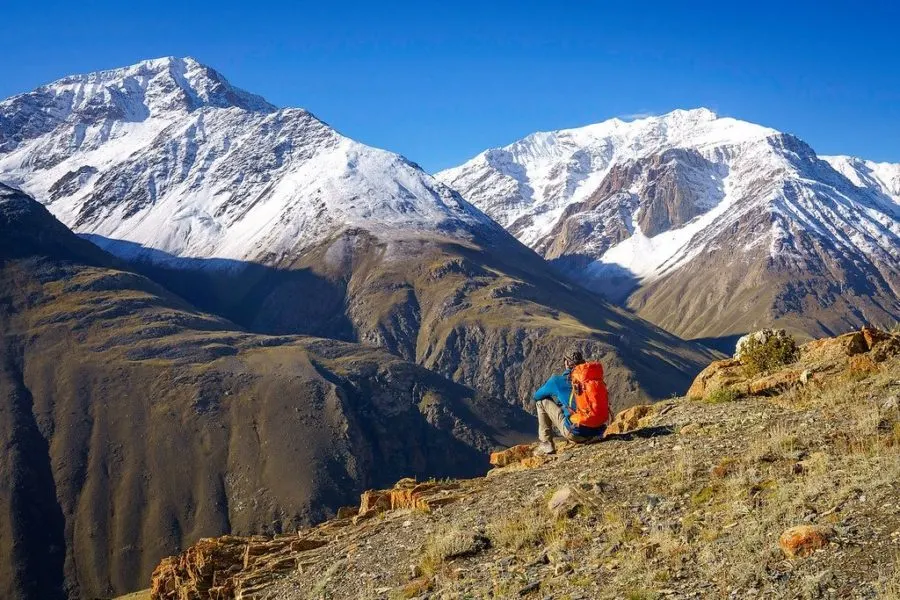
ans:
(630, 419)
(855, 352)
(803, 540)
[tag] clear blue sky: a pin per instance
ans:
(441, 81)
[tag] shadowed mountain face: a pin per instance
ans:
(703, 225)
(276, 221)
(133, 424)
(495, 317)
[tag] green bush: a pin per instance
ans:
(760, 357)
(722, 395)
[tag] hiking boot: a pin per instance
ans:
(544, 448)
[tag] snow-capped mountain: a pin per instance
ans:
(272, 219)
(168, 156)
(748, 214)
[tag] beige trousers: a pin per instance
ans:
(550, 416)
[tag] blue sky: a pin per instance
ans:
(441, 81)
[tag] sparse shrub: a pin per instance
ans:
(722, 395)
(759, 356)
(448, 544)
(517, 531)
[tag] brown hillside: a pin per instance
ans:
(790, 494)
(133, 425)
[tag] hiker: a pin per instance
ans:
(575, 404)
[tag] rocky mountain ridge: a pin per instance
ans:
(167, 156)
(643, 211)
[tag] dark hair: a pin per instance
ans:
(575, 356)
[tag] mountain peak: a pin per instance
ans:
(159, 84)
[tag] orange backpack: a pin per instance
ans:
(591, 401)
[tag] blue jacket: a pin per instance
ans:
(559, 389)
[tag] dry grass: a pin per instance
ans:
(722, 395)
(890, 588)
(724, 505)
(519, 530)
(447, 544)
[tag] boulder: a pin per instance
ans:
(771, 385)
(719, 374)
(629, 419)
(346, 512)
(862, 364)
(408, 494)
(803, 540)
(873, 336)
(374, 501)
(564, 502)
(511, 455)
(834, 349)
(228, 566)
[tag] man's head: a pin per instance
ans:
(573, 358)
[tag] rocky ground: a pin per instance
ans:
(790, 494)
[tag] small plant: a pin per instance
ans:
(519, 530)
(722, 395)
(446, 545)
(760, 356)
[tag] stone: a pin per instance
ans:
(771, 385)
(873, 336)
(227, 566)
(374, 501)
(803, 540)
(719, 374)
(629, 419)
(531, 587)
(836, 348)
(886, 349)
(854, 343)
(346, 512)
(862, 364)
(689, 429)
(564, 502)
(891, 403)
(511, 455)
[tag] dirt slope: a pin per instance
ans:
(692, 503)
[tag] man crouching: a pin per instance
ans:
(575, 403)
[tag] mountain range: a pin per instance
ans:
(243, 208)
(257, 319)
(707, 226)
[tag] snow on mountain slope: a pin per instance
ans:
(868, 174)
(624, 204)
(167, 155)
(527, 185)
